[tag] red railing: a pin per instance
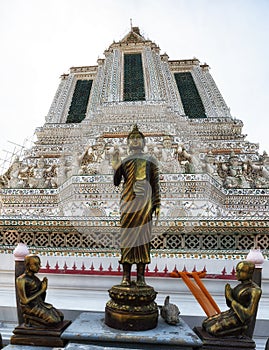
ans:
(100, 271)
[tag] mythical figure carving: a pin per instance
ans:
(88, 166)
(168, 162)
(259, 173)
(62, 170)
(41, 176)
(234, 173)
(210, 165)
(14, 174)
(189, 161)
(105, 164)
(194, 164)
(75, 166)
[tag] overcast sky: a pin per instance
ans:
(40, 40)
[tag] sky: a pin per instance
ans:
(42, 39)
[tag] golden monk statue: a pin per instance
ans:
(140, 199)
(243, 303)
(32, 292)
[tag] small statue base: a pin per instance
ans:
(224, 343)
(34, 336)
(132, 308)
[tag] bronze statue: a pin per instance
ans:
(32, 292)
(140, 199)
(243, 303)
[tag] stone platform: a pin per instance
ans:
(90, 329)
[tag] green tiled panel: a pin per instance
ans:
(78, 107)
(134, 89)
(192, 103)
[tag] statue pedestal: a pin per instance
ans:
(50, 337)
(223, 343)
(131, 308)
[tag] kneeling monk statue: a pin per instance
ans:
(243, 303)
(32, 292)
(140, 199)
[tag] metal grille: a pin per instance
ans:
(192, 103)
(78, 107)
(134, 89)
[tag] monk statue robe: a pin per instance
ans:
(140, 199)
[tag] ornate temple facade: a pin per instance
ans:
(214, 183)
(60, 201)
(60, 198)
